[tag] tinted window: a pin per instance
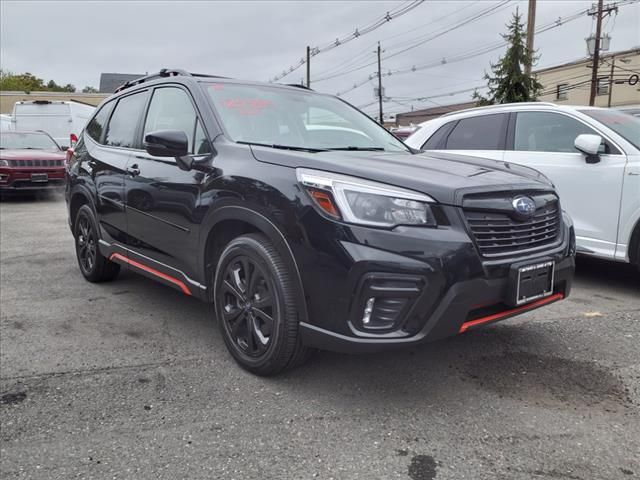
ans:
(124, 121)
(437, 139)
(479, 133)
(547, 132)
(171, 109)
(295, 117)
(96, 126)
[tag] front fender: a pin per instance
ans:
(264, 224)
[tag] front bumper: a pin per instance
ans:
(465, 306)
(435, 280)
(15, 180)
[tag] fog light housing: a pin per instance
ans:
(386, 300)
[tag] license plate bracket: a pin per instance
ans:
(39, 177)
(531, 282)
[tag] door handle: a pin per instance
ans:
(133, 170)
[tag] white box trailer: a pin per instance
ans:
(63, 120)
(5, 122)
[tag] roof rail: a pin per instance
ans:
(497, 106)
(205, 75)
(298, 85)
(165, 72)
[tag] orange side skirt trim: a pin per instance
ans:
(164, 276)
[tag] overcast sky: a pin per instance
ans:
(73, 42)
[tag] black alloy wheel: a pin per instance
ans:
(255, 304)
(93, 265)
(86, 245)
(248, 307)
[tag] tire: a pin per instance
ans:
(93, 265)
(254, 296)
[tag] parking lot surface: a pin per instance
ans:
(132, 380)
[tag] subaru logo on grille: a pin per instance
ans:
(524, 206)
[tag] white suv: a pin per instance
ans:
(592, 155)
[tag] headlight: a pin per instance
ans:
(4, 163)
(366, 203)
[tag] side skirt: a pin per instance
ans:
(153, 269)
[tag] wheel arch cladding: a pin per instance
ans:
(79, 197)
(229, 222)
(634, 245)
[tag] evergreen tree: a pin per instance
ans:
(509, 82)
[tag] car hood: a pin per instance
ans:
(26, 154)
(443, 176)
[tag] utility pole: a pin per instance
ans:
(380, 85)
(596, 54)
(531, 27)
(600, 11)
(613, 64)
(308, 66)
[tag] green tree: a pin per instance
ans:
(509, 82)
(24, 82)
(89, 89)
(54, 87)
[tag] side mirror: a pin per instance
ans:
(589, 145)
(169, 143)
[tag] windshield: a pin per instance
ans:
(287, 118)
(625, 125)
(20, 140)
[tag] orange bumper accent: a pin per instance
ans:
(507, 313)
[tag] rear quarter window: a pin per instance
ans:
(96, 127)
(437, 140)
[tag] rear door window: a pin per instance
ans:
(485, 132)
(124, 121)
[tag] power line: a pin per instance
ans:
(367, 51)
(473, 53)
(358, 32)
(418, 41)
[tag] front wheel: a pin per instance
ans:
(93, 265)
(254, 298)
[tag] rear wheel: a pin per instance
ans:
(93, 265)
(255, 306)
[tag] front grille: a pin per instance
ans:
(35, 163)
(498, 234)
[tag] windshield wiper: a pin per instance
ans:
(284, 147)
(359, 149)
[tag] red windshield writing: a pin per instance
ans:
(246, 106)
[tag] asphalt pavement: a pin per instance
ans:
(131, 380)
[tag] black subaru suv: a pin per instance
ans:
(306, 223)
